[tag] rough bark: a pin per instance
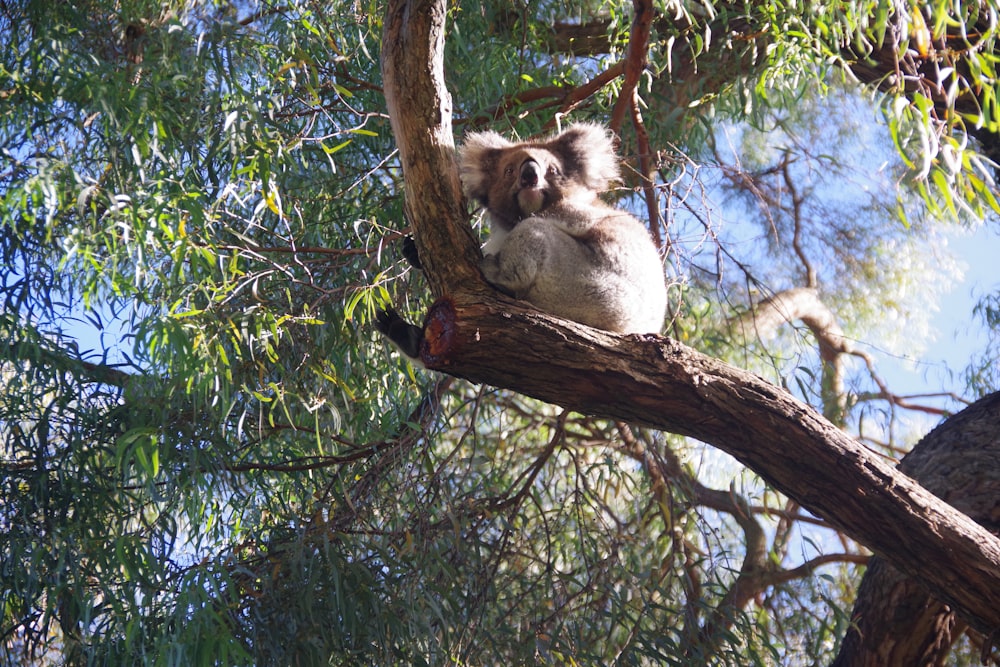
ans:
(897, 623)
(658, 382)
(420, 111)
(479, 335)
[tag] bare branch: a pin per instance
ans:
(636, 58)
(797, 201)
(799, 304)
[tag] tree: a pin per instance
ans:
(251, 482)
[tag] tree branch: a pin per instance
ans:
(636, 59)
(804, 304)
(69, 362)
(799, 303)
(420, 113)
(939, 69)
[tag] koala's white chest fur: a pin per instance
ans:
(553, 242)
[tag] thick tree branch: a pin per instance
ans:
(660, 383)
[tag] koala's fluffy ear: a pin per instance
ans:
(477, 163)
(588, 153)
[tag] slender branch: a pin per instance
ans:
(256, 16)
(85, 370)
(527, 478)
(895, 399)
(567, 98)
(410, 432)
(797, 201)
(778, 577)
(636, 59)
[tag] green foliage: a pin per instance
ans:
(984, 373)
(207, 457)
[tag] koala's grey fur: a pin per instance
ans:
(553, 242)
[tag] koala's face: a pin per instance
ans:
(517, 180)
(527, 181)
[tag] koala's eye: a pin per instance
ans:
(509, 171)
(553, 170)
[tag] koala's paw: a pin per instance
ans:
(405, 336)
(490, 266)
(410, 254)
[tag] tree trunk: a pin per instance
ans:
(420, 111)
(475, 333)
(897, 623)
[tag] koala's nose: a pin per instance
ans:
(529, 174)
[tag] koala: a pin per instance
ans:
(553, 242)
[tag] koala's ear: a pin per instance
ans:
(477, 163)
(588, 153)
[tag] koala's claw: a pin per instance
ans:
(407, 337)
(410, 252)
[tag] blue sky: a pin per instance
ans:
(958, 334)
